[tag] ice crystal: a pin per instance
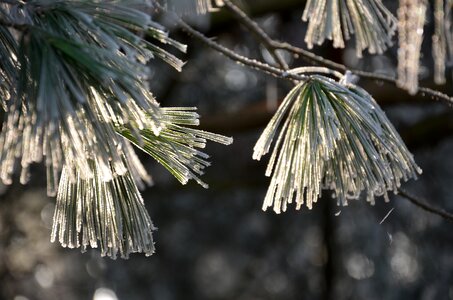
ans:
(96, 213)
(369, 20)
(331, 135)
(411, 20)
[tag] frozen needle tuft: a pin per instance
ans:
(331, 135)
(109, 215)
(369, 20)
(177, 146)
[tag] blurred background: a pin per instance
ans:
(217, 243)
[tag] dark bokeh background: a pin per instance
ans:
(217, 243)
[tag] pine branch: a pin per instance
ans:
(262, 36)
(76, 82)
(305, 54)
(319, 60)
(253, 63)
(285, 46)
(425, 206)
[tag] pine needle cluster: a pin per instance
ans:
(369, 20)
(331, 135)
(75, 92)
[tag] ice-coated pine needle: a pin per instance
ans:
(177, 145)
(331, 135)
(411, 21)
(109, 215)
(369, 20)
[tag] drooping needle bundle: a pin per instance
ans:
(331, 135)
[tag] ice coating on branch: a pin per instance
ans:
(331, 135)
(411, 20)
(369, 20)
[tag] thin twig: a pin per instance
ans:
(253, 63)
(423, 205)
(313, 58)
(273, 45)
(259, 33)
